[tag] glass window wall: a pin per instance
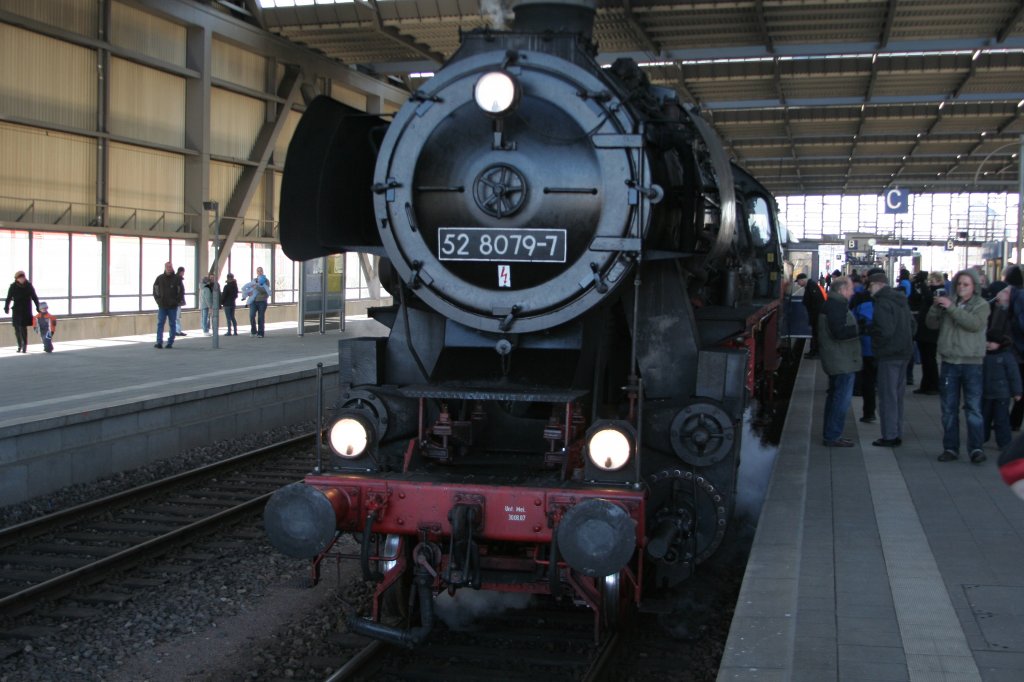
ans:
(51, 260)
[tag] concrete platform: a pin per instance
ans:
(880, 563)
(95, 407)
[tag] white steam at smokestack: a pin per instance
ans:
(496, 13)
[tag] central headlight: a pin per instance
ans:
(349, 437)
(496, 92)
(609, 448)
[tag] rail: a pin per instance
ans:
(77, 518)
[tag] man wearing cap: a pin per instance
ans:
(961, 324)
(840, 359)
(167, 291)
(892, 341)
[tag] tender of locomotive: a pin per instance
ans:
(586, 298)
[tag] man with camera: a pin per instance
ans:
(961, 324)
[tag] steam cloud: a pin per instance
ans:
(496, 13)
(459, 612)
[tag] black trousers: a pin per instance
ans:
(1017, 413)
(929, 366)
(868, 383)
(21, 335)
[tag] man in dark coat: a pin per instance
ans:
(922, 296)
(167, 291)
(1002, 382)
(892, 341)
(814, 299)
(840, 359)
(1015, 278)
(21, 294)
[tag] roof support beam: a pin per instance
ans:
(777, 78)
(762, 26)
(638, 31)
(397, 36)
(683, 87)
(289, 90)
(369, 265)
(252, 7)
(1011, 23)
(269, 45)
(890, 15)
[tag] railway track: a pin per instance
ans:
(552, 643)
(54, 555)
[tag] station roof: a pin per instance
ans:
(810, 96)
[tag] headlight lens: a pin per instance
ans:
(348, 437)
(495, 92)
(609, 449)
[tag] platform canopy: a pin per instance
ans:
(812, 96)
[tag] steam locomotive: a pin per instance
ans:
(586, 296)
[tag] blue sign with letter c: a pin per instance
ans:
(895, 200)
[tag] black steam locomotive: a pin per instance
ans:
(586, 301)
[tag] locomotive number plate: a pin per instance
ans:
(499, 244)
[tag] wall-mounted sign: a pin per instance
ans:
(896, 200)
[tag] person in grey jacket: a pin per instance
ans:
(961, 324)
(892, 341)
(839, 349)
(206, 303)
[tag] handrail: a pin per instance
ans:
(104, 215)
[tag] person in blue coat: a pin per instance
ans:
(862, 308)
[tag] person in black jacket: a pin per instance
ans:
(921, 299)
(228, 296)
(1002, 380)
(22, 294)
(892, 341)
(814, 299)
(167, 291)
(1015, 278)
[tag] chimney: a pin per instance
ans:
(557, 16)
